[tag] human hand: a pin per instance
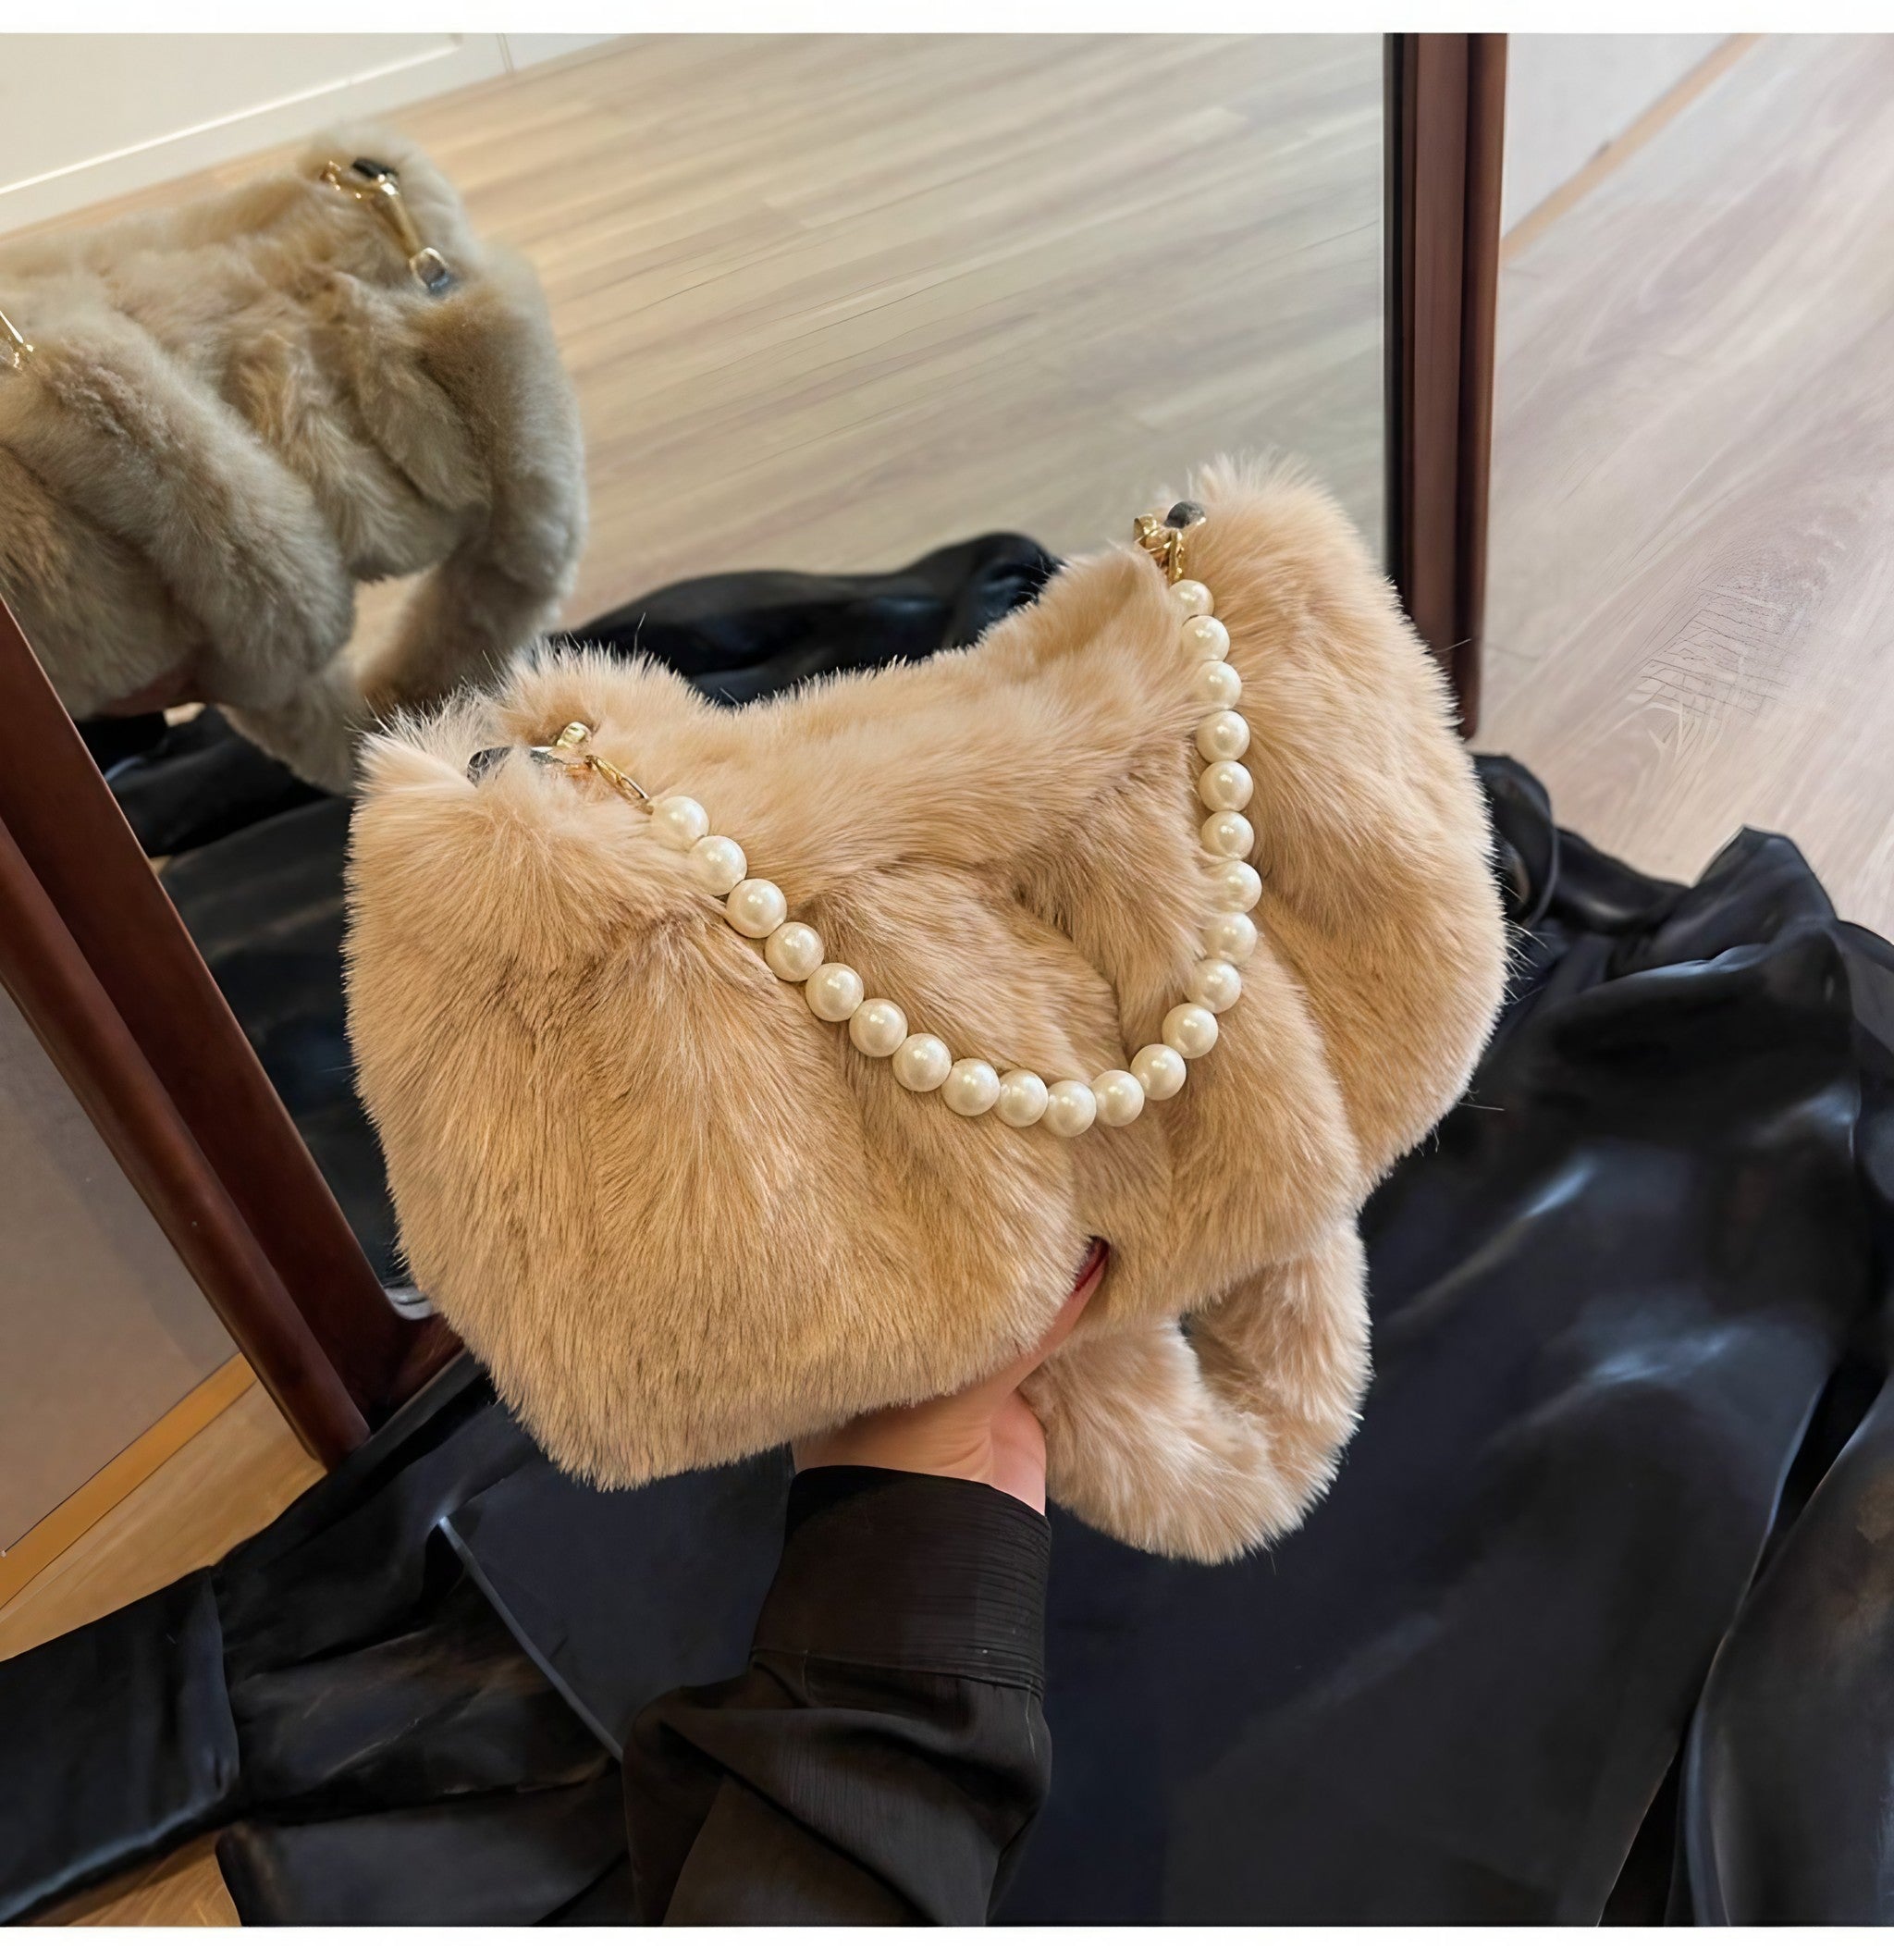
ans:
(986, 1433)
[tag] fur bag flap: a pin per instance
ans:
(232, 411)
(682, 1219)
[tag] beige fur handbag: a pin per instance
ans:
(1163, 915)
(215, 420)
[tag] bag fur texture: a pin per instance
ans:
(681, 1219)
(237, 409)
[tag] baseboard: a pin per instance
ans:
(1623, 147)
(286, 118)
(63, 1527)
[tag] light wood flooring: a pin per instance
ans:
(1691, 594)
(1690, 612)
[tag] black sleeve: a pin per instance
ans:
(882, 1757)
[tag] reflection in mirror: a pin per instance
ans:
(926, 287)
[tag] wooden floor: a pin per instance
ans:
(1691, 613)
(1691, 601)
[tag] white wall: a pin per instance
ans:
(85, 116)
(1567, 95)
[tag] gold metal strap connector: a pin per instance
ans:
(380, 187)
(1165, 537)
(13, 345)
(568, 749)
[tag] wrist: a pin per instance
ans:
(929, 1441)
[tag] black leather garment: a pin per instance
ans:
(740, 635)
(1628, 1307)
(1791, 1751)
(1608, 1297)
(265, 908)
(881, 1758)
(156, 1722)
(341, 1694)
(1597, 1621)
(115, 1741)
(188, 785)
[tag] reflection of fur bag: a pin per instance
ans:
(232, 411)
(682, 1219)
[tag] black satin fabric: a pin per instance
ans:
(879, 1758)
(1623, 1303)
(1607, 1299)
(113, 1741)
(1597, 1621)
(1790, 1758)
(181, 786)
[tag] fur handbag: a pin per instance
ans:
(688, 1193)
(215, 420)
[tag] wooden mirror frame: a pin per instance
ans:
(104, 973)
(1444, 137)
(102, 969)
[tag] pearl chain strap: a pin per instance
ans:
(923, 1063)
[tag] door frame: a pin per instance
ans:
(1443, 136)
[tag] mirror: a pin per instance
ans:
(828, 305)
(925, 286)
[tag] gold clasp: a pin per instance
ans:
(13, 345)
(1164, 537)
(568, 751)
(378, 186)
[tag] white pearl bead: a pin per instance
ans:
(755, 908)
(1208, 638)
(1160, 1071)
(1221, 737)
(718, 863)
(922, 1063)
(1120, 1097)
(1022, 1100)
(1191, 1030)
(793, 951)
(1231, 936)
(1218, 684)
(971, 1089)
(1228, 835)
(1071, 1109)
(878, 1027)
(1191, 596)
(1237, 887)
(679, 822)
(834, 991)
(1215, 984)
(1223, 786)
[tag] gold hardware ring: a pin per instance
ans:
(13, 345)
